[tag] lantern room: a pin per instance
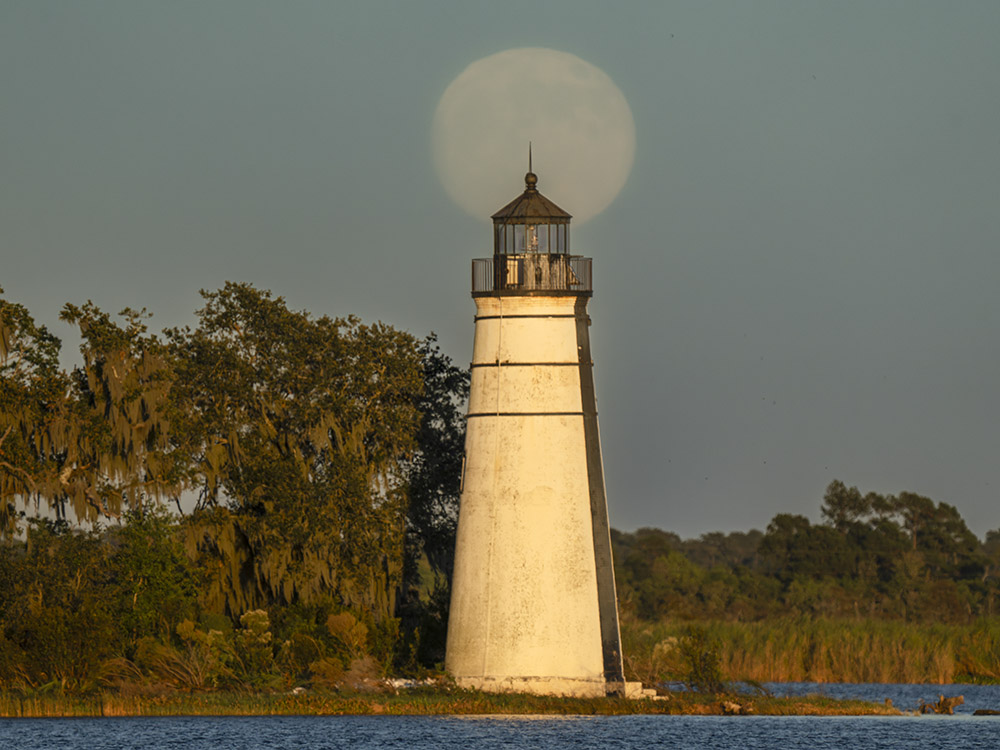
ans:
(530, 223)
(531, 250)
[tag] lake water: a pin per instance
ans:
(545, 732)
(904, 697)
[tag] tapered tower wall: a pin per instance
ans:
(533, 605)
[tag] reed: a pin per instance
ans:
(827, 650)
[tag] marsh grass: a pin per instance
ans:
(824, 650)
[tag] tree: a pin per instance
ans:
(56, 618)
(94, 439)
(119, 446)
(793, 547)
(991, 575)
(33, 408)
(845, 508)
(434, 484)
(718, 549)
(298, 428)
(434, 472)
(154, 585)
(939, 532)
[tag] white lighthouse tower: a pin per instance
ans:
(533, 605)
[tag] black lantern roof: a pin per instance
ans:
(531, 207)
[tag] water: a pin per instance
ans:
(957, 732)
(548, 733)
(904, 697)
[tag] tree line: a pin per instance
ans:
(896, 557)
(313, 465)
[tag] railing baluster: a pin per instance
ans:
(532, 273)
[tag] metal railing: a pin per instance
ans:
(532, 273)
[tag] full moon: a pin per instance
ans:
(578, 122)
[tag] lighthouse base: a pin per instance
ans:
(559, 686)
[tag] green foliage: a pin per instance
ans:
(325, 454)
(118, 441)
(433, 476)
(254, 651)
(202, 660)
(700, 655)
(298, 428)
(434, 470)
(897, 556)
(660, 575)
(56, 619)
(155, 584)
(33, 411)
(93, 439)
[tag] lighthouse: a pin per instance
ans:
(533, 606)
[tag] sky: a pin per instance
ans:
(796, 284)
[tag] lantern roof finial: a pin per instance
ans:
(530, 179)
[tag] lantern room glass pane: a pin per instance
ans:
(526, 238)
(542, 238)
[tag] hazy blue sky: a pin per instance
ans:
(798, 282)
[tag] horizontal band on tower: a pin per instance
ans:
(509, 317)
(529, 414)
(531, 364)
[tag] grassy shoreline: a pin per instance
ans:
(418, 703)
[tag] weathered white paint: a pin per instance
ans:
(524, 610)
